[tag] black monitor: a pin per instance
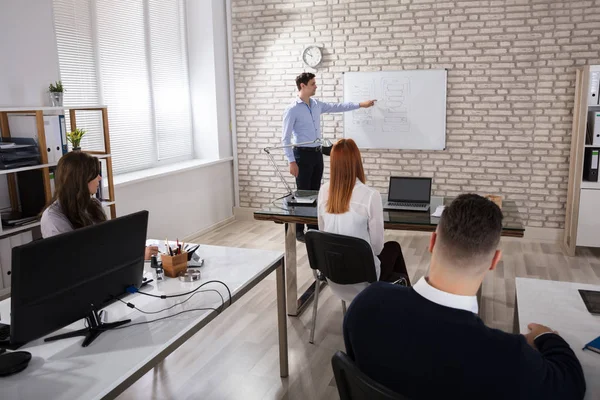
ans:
(64, 278)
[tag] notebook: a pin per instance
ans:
(594, 345)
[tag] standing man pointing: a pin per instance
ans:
(302, 123)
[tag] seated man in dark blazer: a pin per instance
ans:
(427, 342)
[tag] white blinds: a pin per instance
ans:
(78, 67)
(136, 58)
(170, 83)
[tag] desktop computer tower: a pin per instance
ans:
(590, 164)
(31, 192)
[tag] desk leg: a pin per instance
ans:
(295, 305)
(290, 269)
(282, 321)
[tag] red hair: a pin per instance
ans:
(345, 166)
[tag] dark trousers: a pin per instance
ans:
(310, 173)
(393, 266)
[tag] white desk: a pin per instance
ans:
(65, 370)
(558, 305)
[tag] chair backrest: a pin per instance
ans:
(342, 259)
(352, 384)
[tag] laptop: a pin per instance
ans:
(302, 198)
(409, 194)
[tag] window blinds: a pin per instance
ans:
(134, 60)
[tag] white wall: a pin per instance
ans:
(28, 51)
(209, 78)
(179, 204)
(183, 204)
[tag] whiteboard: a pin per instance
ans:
(410, 112)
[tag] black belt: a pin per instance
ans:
(311, 149)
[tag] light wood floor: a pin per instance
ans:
(236, 356)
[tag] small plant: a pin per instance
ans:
(56, 87)
(75, 137)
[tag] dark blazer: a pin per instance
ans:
(424, 350)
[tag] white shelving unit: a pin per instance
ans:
(582, 222)
(15, 236)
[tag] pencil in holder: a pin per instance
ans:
(173, 265)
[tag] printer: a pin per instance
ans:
(18, 152)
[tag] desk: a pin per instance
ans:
(65, 370)
(558, 305)
(397, 220)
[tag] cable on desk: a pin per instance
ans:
(133, 289)
(131, 305)
(158, 319)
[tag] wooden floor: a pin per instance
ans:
(236, 356)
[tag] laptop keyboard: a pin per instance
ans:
(415, 205)
(305, 193)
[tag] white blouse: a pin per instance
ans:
(364, 220)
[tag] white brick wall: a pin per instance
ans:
(511, 84)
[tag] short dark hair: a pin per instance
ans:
(304, 77)
(470, 228)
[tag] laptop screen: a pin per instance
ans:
(410, 189)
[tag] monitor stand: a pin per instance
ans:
(94, 328)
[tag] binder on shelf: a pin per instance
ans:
(593, 128)
(593, 93)
(103, 172)
(52, 183)
(590, 165)
(24, 126)
(63, 134)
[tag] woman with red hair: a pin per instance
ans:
(347, 206)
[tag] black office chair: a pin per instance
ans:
(352, 384)
(341, 259)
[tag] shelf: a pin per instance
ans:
(11, 231)
(590, 185)
(40, 166)
(13, 170)
(34, 108)
(592, 145)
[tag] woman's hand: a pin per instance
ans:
(150, 251)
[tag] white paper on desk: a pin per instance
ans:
(438, 211)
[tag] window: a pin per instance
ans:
(132, 57)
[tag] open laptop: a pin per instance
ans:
(302, 198)
(409, 194)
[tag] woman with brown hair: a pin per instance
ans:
(347, 206)
(73, 205)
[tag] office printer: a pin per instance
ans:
(19, 152)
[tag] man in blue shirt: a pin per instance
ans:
(302, 123)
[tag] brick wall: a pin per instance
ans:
(511, 77)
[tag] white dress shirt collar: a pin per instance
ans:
(467, 303)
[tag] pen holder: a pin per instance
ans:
(173, 265)
(495, 199)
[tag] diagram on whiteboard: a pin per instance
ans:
(410, 112)
(394, 105)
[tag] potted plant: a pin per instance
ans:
(56, 94)
(75, 138)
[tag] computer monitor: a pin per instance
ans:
(410, 189)
(64, 278)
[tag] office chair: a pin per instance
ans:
(352, 384)
(341, 259)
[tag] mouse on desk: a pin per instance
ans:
(13, 362)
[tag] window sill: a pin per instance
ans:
(175, 168)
